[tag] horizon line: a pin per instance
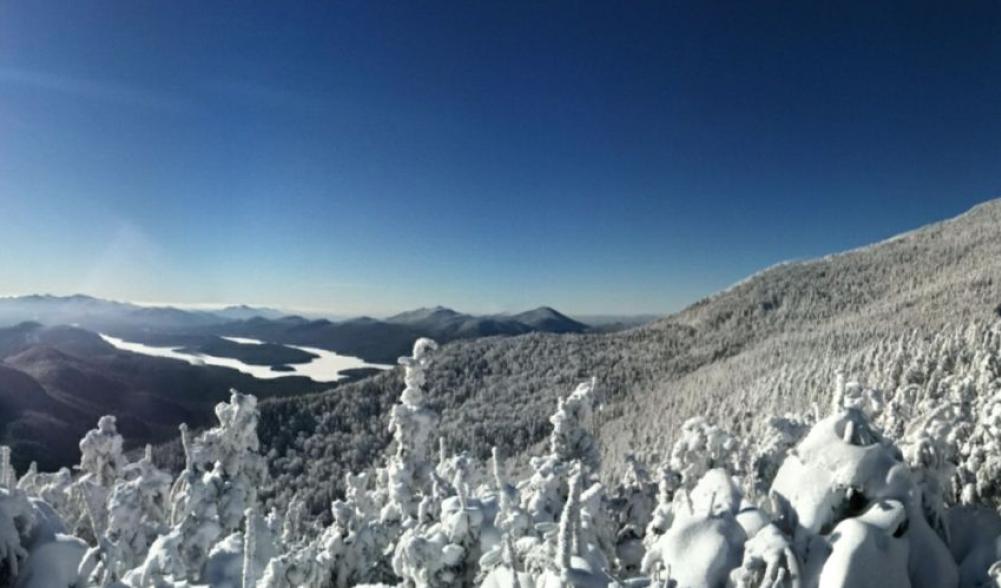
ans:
(320, 312)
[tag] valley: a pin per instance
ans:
(156, 367)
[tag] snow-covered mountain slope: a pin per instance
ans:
(925, 281)
(723, 357)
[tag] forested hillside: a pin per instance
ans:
(753, 347)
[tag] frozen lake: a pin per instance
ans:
(327, 367)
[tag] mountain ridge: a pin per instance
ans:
(375, 340)
(716, 358)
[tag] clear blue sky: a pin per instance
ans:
(365, 157)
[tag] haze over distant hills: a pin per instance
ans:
(243, 312)
(57, 375)
(98, 313)
(371, 339)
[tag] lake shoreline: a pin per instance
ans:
(325, 366)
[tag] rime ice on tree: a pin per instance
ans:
(411, 423)
(209, 499)
(101, 461)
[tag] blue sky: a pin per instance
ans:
(367, 157)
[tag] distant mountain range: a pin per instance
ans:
(57, 375)
(100, 314)
(243, 312)
(374, 340)
(382, 341)
(449, 324)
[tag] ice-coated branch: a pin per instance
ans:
(569, 526)
(249, 549)
(7, 475)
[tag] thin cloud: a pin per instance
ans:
(110, 92)
(130, 257)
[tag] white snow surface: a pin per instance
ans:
(328, 366)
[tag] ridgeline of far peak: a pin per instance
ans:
(448, 324)
(550, 320)
(423, 314)
(376, 340)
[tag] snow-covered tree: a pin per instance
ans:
(408, 472)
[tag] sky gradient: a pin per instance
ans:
(367, 157)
